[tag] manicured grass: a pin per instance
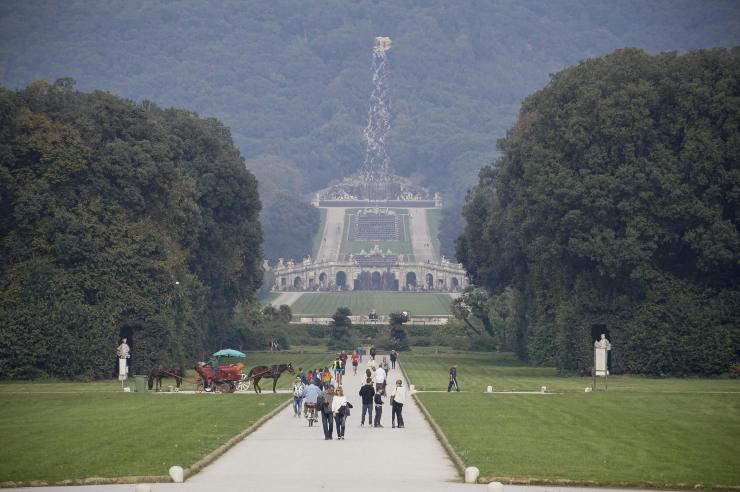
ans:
(642, 431)
(326, 303)
(57, 430)
(505, 373)
(56, 437)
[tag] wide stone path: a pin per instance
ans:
(332, 237)
(421, 239)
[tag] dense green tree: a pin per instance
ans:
(616, 201)
(340, 329)
(117, 220)
(399, 337)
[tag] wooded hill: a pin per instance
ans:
(292, 79)
(117, 219)
(617, 201)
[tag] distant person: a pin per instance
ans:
(302, 375)
(378, 400)
(326, 377)
(337, 367)
(340, 409)
(398, 398)
(360, 352)
(367, 392)
(299, 392)
(394, 356)
(373, 352)
(327, 418)
(453, 379)
(380, 378)
(385, 365)
(355, 362)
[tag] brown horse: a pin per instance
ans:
(273, 372)
(161, 371)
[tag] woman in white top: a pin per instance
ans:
(339, 407)
(398, 398)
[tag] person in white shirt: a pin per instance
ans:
(379, 378)
(339, 407)
(398, 398)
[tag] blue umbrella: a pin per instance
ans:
(229, 353)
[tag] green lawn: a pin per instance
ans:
(62, 436)
(55, 430)
(642, 431)
(326, 303)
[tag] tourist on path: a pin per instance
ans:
(453, 379)
(312, 396)
(394, 356)
(326, 378)
(367, 392)
(299, 392)
(372, 352)
(339, 406)
(384, 364)
(398, 398)
(327, 420)
(355, 362)
(302, 375)
(380, 378)
(337, 366)
(378, 407)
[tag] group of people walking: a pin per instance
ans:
(316, 391)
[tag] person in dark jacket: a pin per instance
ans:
(378, 407)
(367, 392)
(327, 418)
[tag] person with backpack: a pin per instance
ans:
(327, 418)
(367, 392)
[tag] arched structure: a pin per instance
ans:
(373, 271)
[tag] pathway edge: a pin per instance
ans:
(441, 436)
(216, 453)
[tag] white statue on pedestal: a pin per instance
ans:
(603, 343)
(123, 354)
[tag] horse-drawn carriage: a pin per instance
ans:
(229, 378)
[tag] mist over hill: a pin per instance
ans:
(291, 79)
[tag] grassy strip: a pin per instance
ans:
(629, 436)
(56, 438)
(325, 304)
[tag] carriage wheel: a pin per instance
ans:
(224, 388)
(243, 385)
(199, 387)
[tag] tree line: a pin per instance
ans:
(117, 219)
(616, 201)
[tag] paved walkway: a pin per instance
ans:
(332, 235)
(421, 239)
